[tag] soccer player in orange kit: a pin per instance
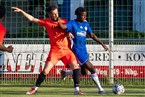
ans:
(3, 31)
(60, 47)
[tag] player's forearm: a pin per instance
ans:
(3, 48)
(29, 17)
(62, 26)
(100, 42)
(95, 38)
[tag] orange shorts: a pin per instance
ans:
(65, 55)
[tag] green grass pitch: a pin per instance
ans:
(67, 91)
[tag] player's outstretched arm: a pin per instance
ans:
(28, 16)
(95, 38)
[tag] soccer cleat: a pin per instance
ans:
(62, 74)
(32, 91)
(78, 92)
(102, 92)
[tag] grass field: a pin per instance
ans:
(67, 91)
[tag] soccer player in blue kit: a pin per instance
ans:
(78, 29)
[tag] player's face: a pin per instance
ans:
(82, 17)
(54, 15)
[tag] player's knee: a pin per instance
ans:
(92, 71)
(47, 68)
(45, 71)
(74, 65)
(84, 72)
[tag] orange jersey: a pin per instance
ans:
(2, 32)
(58, 37)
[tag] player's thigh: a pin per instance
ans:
(54, 56)
(82, 56)
(70, 60)
(74, 65)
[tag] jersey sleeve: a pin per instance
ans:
(69, 26)
(42, 22)
(2, 34)
(89, 30)
(1, 38)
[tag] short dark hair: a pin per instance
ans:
(50, 8)
(79, 10)
(2, 11)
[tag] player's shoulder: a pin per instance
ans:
(2, 27)
(86, 23)
(64, 20)
(72, 21)
(45, 19)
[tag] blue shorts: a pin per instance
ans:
(81, 55)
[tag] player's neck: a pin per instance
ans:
(79, 21)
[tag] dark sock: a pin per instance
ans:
(76, 77)
(40, 79)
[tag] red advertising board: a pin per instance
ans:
(102, 71)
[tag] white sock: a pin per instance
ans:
(77, 88)
(69, 72)
(96, 80)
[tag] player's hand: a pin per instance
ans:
(16, 9)
(106, 48)
(10, 49)
(70, 35)
(58, 19)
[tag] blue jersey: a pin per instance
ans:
(79, 30)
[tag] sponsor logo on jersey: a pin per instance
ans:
(81, 27)
(82, 33)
